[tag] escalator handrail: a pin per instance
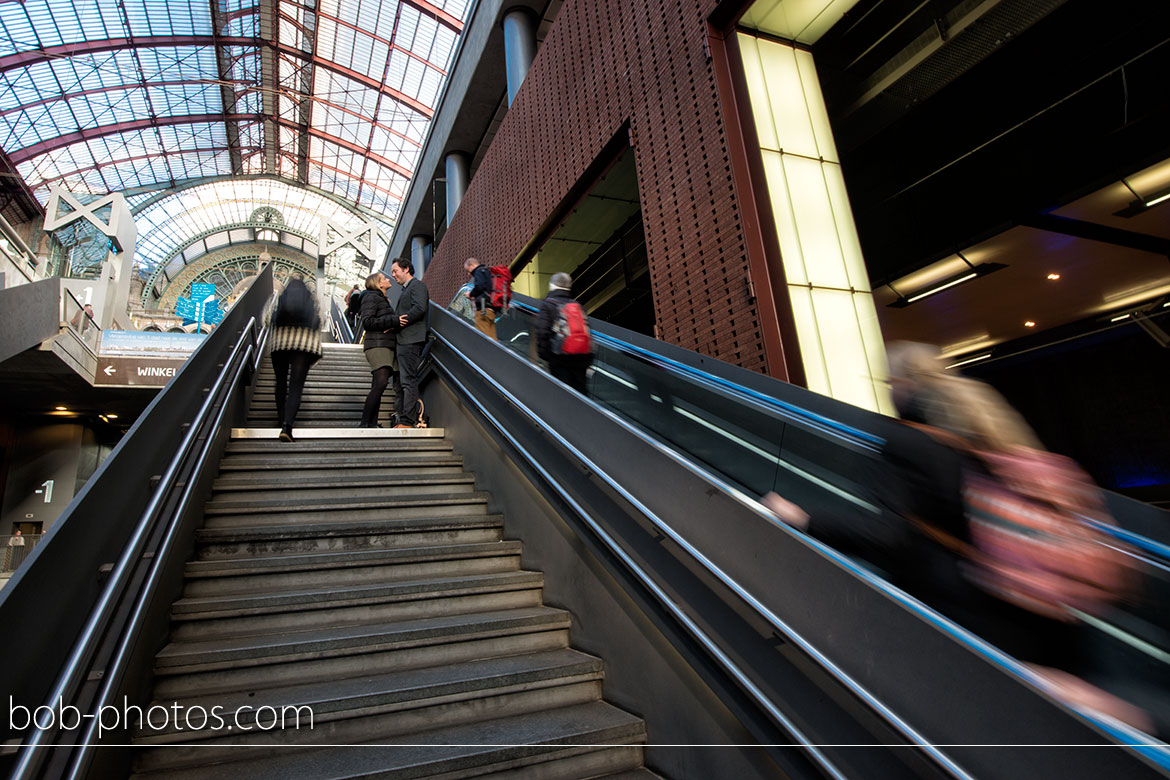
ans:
(663, 598)
(1144, 543)
(344, 332)
(882, 710)
(771, 403)
(1122, 733)
(86, 644)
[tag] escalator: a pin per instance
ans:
(717, 626)
(681, 446)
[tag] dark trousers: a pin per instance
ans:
(572, 375)
(409, 356)
(291, 369)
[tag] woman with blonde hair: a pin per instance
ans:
(925, 393)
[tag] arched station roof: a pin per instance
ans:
(141, 96)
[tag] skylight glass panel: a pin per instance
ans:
(246, 25)
(60, 95)
(183, 99)
(16, 28)
(160, 17)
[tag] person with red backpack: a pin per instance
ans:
(490, 293)
(982, 523)
(563, 338)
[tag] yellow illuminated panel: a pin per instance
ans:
(804, 21)
(836, 319)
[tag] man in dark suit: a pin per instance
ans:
(412, 319)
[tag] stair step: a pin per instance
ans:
(282, 489)
(333, 562)
(555, 744)
(356, 503)
(264, 613)
(355, 478)
(455, 649)
(343, 379)
(416, 696)
(181, 657)
(348, 441)
(282, 534)
(412, 452)
(267, 418)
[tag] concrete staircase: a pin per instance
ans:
(334, 393)
(363, 578)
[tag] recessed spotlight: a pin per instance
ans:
(1029, 324)
(1053, 277)
(60, 408)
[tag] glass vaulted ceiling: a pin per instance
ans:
(142, 95)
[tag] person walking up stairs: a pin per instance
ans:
(355, 580)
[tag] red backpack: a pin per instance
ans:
(570, 333)
(1027, 516)
(500, 297)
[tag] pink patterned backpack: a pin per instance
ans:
(1033, 545)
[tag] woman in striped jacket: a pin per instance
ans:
(296, 346)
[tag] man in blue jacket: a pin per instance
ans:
(412, 320)
(480, 295)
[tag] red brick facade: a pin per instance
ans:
(603, 63)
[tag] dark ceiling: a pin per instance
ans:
(957, 119)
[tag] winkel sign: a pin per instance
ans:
(135, 372)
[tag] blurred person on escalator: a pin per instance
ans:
(563, 339)
(983, 524)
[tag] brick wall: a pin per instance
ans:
(603, 63)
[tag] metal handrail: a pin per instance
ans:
(117, 668)
(81, 308)
(756, 398)
(881, 709)
(342, 332)
(761, 400)
(68, 681)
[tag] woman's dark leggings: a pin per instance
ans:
(380, 378)
(291, 369)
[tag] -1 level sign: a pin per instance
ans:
(136, 371)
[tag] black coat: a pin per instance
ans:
(549, 311)
(413, 304)
(378, 317)
(481, 289)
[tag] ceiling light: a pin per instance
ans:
(1119, 319)
(1029, 324)
(967, 275)
(984, 356)
(112, 416)
(1053, 277)
(1142, 203)
(942, 287)
(60, 408)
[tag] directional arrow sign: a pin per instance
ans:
(136, 371)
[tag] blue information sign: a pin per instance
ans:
(201, 306)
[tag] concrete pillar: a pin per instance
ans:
(458, 174)
(519, 47)
(420, 253)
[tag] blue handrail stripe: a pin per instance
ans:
(1137, 540)
(734, 387)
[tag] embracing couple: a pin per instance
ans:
(393, 343)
